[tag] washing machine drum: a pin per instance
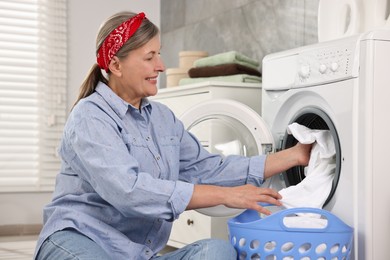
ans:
(228, 127)
(312, 118)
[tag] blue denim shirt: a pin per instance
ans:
(127, 173)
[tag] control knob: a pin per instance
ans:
(334, 66)
(323, 68)
(304, 72)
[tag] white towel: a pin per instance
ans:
(316, 186)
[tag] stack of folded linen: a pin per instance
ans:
(186, 61)
(228, 67)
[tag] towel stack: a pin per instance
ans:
(186, 61)
(228, 67)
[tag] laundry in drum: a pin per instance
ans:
(315, 188)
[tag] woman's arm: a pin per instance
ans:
(242, 197)
(286, 159)
(248, 196)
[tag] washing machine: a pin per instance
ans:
(342, 86)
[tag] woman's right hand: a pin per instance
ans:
(303, 153)
(278, 162)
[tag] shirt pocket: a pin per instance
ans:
(170, 141)
(134, 145)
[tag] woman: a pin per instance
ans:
(129, 168)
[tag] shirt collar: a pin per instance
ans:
(118, 104)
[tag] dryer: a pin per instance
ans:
(225, 117)
(344, 86)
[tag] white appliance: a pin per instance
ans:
(341, 85)
(344, 86)
(342, 18)
(375, 13)
(338, 18)
(225, 118)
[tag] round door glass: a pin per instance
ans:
(227, 127)
(224, 135)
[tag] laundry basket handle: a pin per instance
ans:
(334, 224)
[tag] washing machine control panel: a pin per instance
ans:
(324, 65)
(311, 65)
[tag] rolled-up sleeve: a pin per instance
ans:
(181, 197)
(201, 167)
(256, 170)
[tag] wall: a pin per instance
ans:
(84, 19)
(252, 27)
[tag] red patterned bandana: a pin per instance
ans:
(116, 39)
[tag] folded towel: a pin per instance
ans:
(222, 70)
(225, 58)
(314, 189)
(243, 78)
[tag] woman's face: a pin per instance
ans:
(138, 72)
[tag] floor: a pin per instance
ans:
(17, 248)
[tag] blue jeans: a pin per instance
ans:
(207, 249)
(71, 245)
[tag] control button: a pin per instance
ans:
(304, 72)
(334, 66)
(323, 68)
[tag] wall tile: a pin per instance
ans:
(253, 27)
(197, 10)
(311, 22)
(172, 43)
(223, 32)
(174, 12)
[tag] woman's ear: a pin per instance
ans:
(115, 67)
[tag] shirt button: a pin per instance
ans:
(158, 157)
(147, 138)
(149, 242)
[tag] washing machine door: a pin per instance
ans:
(228, 127)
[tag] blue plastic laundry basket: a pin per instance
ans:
(269, 238)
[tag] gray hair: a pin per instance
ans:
(144, 34)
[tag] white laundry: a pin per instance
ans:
(316, 186)
(305, 221)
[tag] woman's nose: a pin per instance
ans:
(160, 65)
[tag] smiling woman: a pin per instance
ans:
(130, 168)
(32, 92)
